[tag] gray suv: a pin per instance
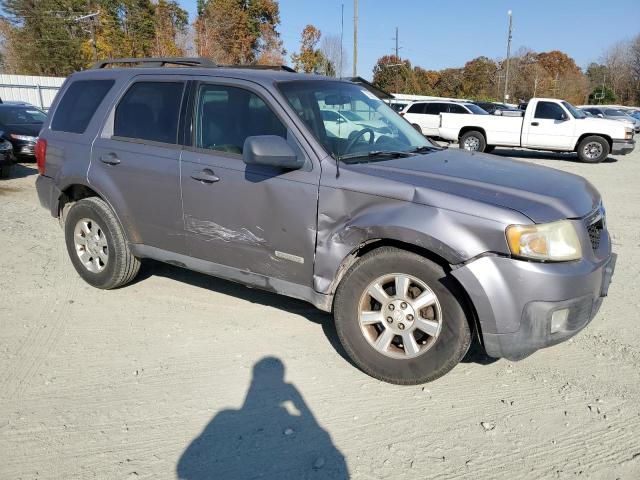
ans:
(233, 172)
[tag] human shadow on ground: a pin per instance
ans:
(274, 435)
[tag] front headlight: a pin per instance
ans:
(24, 138)
(556, 242)
(628, 133)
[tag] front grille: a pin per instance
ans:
(595, 231)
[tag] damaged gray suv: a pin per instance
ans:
(248, 174)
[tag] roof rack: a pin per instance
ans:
(284, 68)
(159, 62)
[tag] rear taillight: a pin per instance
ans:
(402, 114)
(41, 154)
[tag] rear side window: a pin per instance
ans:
(79, 103)
(435, 108)
(549, 110)
(150, 111)
(456, 109)
(416, 108)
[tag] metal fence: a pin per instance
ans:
(38, 91)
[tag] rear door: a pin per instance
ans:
(136, 161)
(252, 218)
(551, 127)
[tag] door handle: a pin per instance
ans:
(535, 124)
(206, 176)
(110, 159)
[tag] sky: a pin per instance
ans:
(436, 34)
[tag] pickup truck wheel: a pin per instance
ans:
(97, 246)
(399, 317)
(593, 149)
(473, 141)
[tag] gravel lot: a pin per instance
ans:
(181, 370)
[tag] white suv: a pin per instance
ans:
(425, 115)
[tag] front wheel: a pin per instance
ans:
(400, 317)
(593, 149)
(473, 141)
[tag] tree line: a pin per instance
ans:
(614, 79)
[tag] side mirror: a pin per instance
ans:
(270, 150)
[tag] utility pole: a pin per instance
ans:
(341, 39)
(397, 49)
(355, 38)
(506, 78)
(91, 17)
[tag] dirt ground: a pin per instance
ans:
(183, 375)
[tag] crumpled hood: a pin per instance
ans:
(543, 194)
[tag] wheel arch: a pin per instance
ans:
(601, 135)
(466, 129)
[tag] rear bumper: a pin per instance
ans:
(622, 147)
(516, 300)
(48, 194)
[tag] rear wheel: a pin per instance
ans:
(97, 246)
(473, 141)
(593, 149)
(399, 317)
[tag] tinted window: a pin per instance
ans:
(475, 109)
(456, 109)
(416, 108)
(149, 111)
(226, 116)
(549, 110)
(612, 112)
(78, 105)
(21, 116)
(435, 108)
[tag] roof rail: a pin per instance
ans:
(252, 66)
(159, 62)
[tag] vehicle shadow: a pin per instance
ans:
(20, 171)
(539, 155)
(262, 297)
(274, 435)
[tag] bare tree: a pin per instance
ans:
(335, 54)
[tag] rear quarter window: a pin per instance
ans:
(79, 103)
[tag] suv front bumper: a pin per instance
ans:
(525, 306)
(622, 147)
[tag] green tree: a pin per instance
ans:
(479, 78)
(602, 96)
(392, 74)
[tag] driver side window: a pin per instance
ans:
(226, 116)
(549, 111)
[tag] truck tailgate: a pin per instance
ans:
(498, 130)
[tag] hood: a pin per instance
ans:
(604, 123)
(543, 194)
(32, 129)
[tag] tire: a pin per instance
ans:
(489, 148)
(97, 226)
(473, 138)
(5, 171)
(593, 149)
(440, 351)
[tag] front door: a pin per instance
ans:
(258, 219)
(550, 128)
(135, 162)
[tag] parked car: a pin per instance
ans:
(613, 114)
(396, 105)
(21, 124)
(7, 159)
(546, 124)
(491, 107)
(230, 172)
(425, 115)
(346, 122)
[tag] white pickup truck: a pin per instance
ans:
(546, 124)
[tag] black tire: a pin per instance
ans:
(5, 171)
(449, 346)
(471, 134)
(489, 148)
(121, 266)
(590, 155)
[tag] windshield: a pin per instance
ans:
(379, 128)
(476, 109)
(576, 112)
(612, 112)
(21, 115)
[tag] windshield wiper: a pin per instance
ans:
(376, 154)
(425, 148)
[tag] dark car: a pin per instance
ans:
(21, 124)
(234, 172)
(491, 107)
(7, 159)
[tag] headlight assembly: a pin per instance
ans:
(554, 242)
